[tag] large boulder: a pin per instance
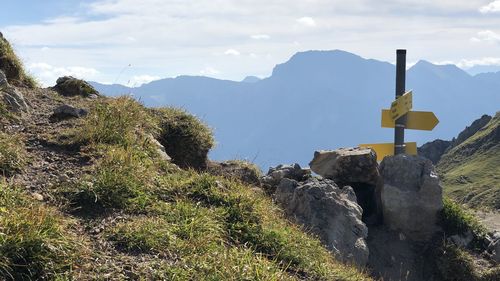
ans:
(347, 165)
(411, 196)
(69, 86)
(328, 211)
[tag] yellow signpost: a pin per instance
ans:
(387, 149)
(415, 120)
(401, 105)
(400, 117)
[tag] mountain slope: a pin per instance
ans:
(471, 169)
(318, 100)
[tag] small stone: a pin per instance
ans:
(67, 111)
(37, 196)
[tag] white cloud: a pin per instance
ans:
(173, 37)
(260, 37)
(307, 21)
(232, 52)
(469, 63)
(209, 71)
(492, 7)
(48, 74)
(486, 35)
(138, 80)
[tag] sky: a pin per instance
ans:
(132, 42)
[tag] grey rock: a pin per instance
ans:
(434, 150)
(347, 165)
(160, 149)
(13, 99)
(462, 240)
(328, 211)
(411, 196)
(3, 80)
(70, 86)
(494, 249)
(276, 174)
(68, 111)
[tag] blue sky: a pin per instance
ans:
(135, 41)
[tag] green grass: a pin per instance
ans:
(120, 178)
(120, 121)
(186, 139)
(470, 171)
(455, 219)
(35, 242)
(12, 154)
(204, 227)
(13, 67)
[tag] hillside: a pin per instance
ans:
(87, 194)
(312, 99)
(470, 169)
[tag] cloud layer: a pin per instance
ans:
(233, 39)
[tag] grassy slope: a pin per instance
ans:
(471, 170)
(163, 223)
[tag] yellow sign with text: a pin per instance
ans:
(386, 149)
(401, 105)
(415, 120)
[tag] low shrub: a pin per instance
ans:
(12, 154)
(186, 139)
(454, 264)
(456, 220)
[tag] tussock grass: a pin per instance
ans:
(13, 68)
(12, 154)
(204, 227)
(120, 121)
(35, 242)
(121, 177)
(186, 139)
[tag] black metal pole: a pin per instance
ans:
(399, 131)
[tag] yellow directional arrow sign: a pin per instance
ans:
(415, 120)
(401, 105)
(386, 149)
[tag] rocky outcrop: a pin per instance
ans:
(347, 165)
(276, 174)
(356, 167)
(160, 149)
(69, 86)
(494, 247)
(471, 130)
(411, 196)
(67, 111)
(11, 97)
(434, 150)
(328, 211)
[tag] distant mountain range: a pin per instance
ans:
(319, 100)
